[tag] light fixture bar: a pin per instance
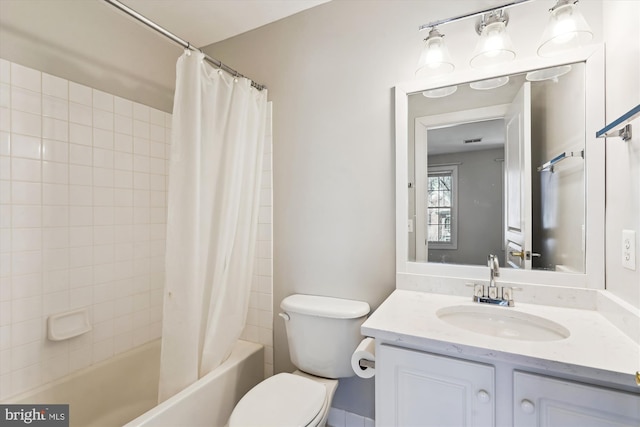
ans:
(470, 15)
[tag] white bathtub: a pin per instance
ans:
(125, 388)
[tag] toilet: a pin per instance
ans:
(322, 333)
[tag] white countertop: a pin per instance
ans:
(595, 349)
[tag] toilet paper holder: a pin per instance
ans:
(364, 364)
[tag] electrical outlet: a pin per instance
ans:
(629, 249)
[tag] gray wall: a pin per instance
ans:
(479, 207)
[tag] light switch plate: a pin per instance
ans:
(629, 249)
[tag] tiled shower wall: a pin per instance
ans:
(82, 216)
(259, 326)
(83, 178)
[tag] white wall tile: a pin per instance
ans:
(55, 194)
(80, 134)
(80, 154)
(77, 164)
(5, 143)
(103, 119)
(55, 216)
(55, 173)
(55, 237)
(103, 100)
(5, 119)
(25, 216)
(26, 123)
(5, 95)
(80, 94)
(26, 239)
(55, 281)
(55, 302)
(140, 112)
(80, 175)
(55, 86)
(25, 146)
(5, 71)
(55, 108)
(26, 100)
(25, 286)
(55, 129)
(103, 138)
(123, 143)
(123, 125)
(102, 158)
(80, 114)
(26, 78)
(55, 151)
(123, 107)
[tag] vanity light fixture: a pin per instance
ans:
(495, 46)
(435, 58)
(566, 29)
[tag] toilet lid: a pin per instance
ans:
(281, 400)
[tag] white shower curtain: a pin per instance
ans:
(214, 186)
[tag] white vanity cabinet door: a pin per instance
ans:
(421, 389)
(547, 402)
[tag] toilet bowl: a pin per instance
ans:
(296, 399)
(322, 333)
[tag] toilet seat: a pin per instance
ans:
(281, 400)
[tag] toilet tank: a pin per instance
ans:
(323, 332)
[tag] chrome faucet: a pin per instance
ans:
(493, 294)
(494, 270)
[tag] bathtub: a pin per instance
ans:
(125, 388)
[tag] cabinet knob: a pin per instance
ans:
(527, 406)
(483, 396)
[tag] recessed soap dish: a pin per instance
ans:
(62, 326)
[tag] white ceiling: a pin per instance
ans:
(202, 22)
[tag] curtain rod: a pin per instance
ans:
(126, 9)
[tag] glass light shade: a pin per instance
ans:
(566, 29)
(440, 92)
(490, 83)
(548, 73)
(494, 46)
(435, 58)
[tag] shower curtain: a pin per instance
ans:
(214, 185)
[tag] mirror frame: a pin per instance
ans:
(594, 275)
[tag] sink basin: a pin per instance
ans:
(503, 322)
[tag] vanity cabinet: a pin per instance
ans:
(416, 388)
(549, 402)
(422, 389)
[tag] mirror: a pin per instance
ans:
(496, 167)
(559, 125)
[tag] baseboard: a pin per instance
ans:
(342, 418)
